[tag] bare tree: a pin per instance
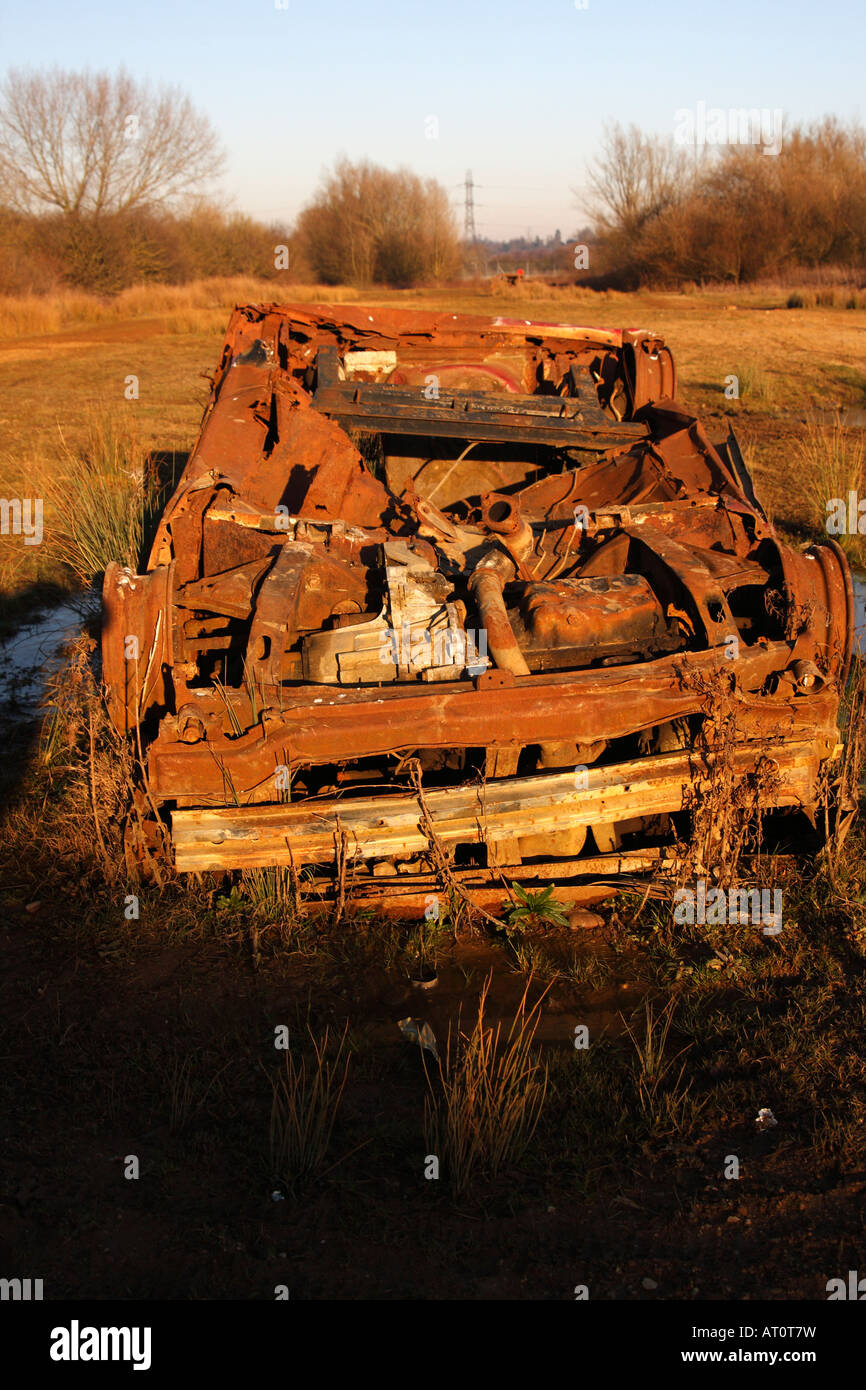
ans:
(635, 178)
(97, 143)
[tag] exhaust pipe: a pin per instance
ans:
(486, 584)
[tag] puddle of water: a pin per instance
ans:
(451, 1005)
(34, 654)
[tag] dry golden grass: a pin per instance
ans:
(196, 307)
(846, 298)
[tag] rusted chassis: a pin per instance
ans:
(251, 650)
(790, 738)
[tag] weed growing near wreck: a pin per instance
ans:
(534, 910)
(188, 1089)
(841, 803)
(724, 806)
(81, 753)
(273, 891)
(426, 940)
(483, 1112)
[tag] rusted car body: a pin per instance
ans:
(438, 588)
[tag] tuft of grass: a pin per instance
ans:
(36, 314)
(305, 1102)
(272, 891)
(724, 807)
(756, 386)
(426, 939)
(832, 462)
(104, 502)
(491, 1089)
(827, 298)
(188, 1092)
(529, 957)
(664, 1097)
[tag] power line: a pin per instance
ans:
(515, 188)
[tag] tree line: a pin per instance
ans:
(103, 184)
(665, 214)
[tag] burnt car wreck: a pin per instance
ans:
(437, 585)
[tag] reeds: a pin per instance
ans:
(102, 503)
(486, 1099)
(662, 1093)
(306, 1099)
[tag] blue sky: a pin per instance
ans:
(520, 90)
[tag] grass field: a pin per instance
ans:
(153, 1035)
